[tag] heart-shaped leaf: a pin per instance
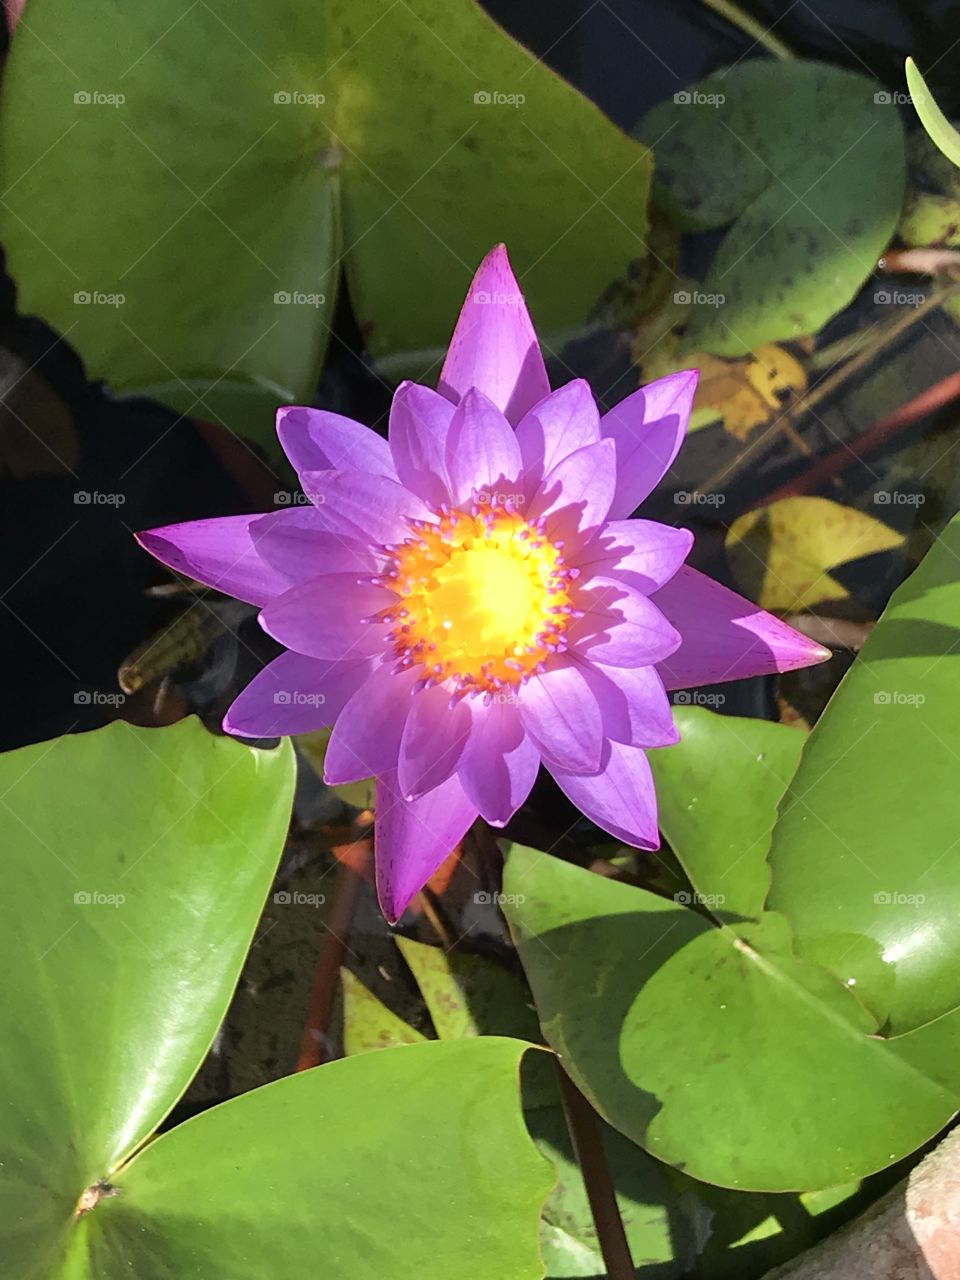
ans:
(411, 1161)
(221, 160)
(136, 865)
(864, 854)
(783, 153)
(714, 1047)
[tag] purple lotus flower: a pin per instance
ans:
(471, 599)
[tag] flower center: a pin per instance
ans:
(483, 598)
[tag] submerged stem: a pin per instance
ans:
(752, 27)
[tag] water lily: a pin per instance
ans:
(471, 599)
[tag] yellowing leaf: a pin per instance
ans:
(781, 554)
(748, 392)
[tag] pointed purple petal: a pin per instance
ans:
(315, 440)
(559, 710)
(482, 453)
(620, 627)
(433, 741)
(371, 508)
(366, 738)
(575, 496)
(413, 837)
(724, 636)
(500, 762)
(419, 422)
(648, 428)
(323, 618)
(641, 553)
(294, 694)
(219, 553)
(634, 705)
(494, 347)
(567, 420)
(620, 798)
(297, 543)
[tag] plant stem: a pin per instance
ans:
(587, 1142)
(751, 27)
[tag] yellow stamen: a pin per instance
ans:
(483, 599)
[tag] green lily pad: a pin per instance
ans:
(136, 865)
(713, 1047)
(864, 854)
(782, 153)
(717, 793)
(411, 1161)
(222, 161)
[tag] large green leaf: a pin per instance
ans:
(783, 153)
(257, 144)
(717, 794)
(865, 853)
(411, 1161)
(714, 1047)
(136, 862)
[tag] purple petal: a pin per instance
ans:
(634, 705)
(296, 542)
(559, 710)
(221, 554)
(324, 617)
(567, 420)
(482, 453)
(366, 738)
(494, 347)
(433, 741)
(575, 496)
(499, 764)
(620, 798)
(413, 837)
(295, 694)
(648, 428)
(371, 508)
(620, 627)
(641, 553)
(724, 636)
(419, 422)
(315, 440)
